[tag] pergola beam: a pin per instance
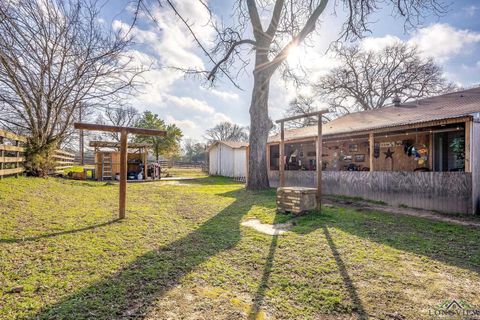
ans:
(124, 131)
(305, 115)
(101, 127)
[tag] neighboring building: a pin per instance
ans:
(228, 159)
(423, 154)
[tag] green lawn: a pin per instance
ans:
(184, 172)
(182, 254)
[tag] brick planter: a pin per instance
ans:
(296, 200)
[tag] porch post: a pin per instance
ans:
(281, 162)
(319, 162)
(145, 163)
(468, 131)
(371, 142)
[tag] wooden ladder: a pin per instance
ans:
(107, 166)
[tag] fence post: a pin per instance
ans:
(2, 155)
(17, 154)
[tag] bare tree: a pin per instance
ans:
(370, 79)
(303, 105)
(290, 24)
(226, 131)
(55, 55)
(118, 116)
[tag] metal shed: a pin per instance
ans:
(228, 159)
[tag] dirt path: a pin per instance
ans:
(464, 221)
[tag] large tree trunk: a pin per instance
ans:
(260, 125)
(39, 156)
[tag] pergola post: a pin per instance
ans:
(319, 162)
(123, 173)
(145, 163)
(124, 131)
(281, 162)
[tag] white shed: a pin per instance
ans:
(228, 159)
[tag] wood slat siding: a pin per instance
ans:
(442, 191)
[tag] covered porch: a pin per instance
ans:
(425, 165)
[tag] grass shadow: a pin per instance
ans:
(445, 242)
(352, 290)
(130, 292)
(56, 234)
(255, 311)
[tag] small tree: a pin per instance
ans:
(168, 145)
(55, 56)
(368, 79)
(226, 131)
(194, 151)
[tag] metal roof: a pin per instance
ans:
(446, 106)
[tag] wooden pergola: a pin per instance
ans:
(142, 148)
(124, 131)
(317, 114)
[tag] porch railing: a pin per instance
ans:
(442, 191)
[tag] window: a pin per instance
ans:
(449, 151)
(298, 156)
(274, 157)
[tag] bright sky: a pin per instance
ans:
(453, 40)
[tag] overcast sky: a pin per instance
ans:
(453, 40)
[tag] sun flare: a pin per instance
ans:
(293, 55)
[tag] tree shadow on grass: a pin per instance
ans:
(448, 243)
(56, 234)
(258, 300)
(263, 285)
(350, 286)
(130, 292)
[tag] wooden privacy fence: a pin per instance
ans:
(12, 159)
(442, 191)
(63, 160)
(11, 154)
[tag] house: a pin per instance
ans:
(421, 154)
(228, 159)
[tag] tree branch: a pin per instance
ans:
(212, 73)
(277, 12)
